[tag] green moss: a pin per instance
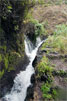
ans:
(9, 7)
(0, 57)
(1, 73)
(3, 48)
(11, 69)
(10, 60)
(6, 62)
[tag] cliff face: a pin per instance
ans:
(12, 54)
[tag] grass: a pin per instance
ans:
(58, 42)
(61, 30)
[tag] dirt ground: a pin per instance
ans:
(51, 15)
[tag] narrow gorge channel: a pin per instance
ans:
(23, 80)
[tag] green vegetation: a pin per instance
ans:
(49, 93)
(1, 73)
(44, 68)
(39, 27)
(58, 41)
(11, 37)
(0, 57)
(9, 60)
(61, 30)
(61, 73)
(6, 62)
(46, 91)
(11, 69)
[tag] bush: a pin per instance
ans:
(49, 93)
(44, 68)
(45, 88)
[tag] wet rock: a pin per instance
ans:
(44, 51)
(29, 30)
(30, 89)
(33, 79)
(34, 62)
(30, 92)
(54, 56)
(44, 78)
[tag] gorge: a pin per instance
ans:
(23, 80)
(33, 50)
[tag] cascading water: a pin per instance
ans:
(22, 80)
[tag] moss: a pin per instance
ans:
(11, 50)
(0, 57)
(11, 69)
(13, 58)
(3, 48)
(9, 60)
(6, 62)
(1, 73)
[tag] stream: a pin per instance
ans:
(23, 80)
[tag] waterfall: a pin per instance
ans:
(22, 80)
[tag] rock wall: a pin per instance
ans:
(12, 49)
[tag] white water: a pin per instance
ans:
(22, 80)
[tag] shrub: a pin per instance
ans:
(39, 28)
(49, 93)
(44, 68)
(45, 88)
